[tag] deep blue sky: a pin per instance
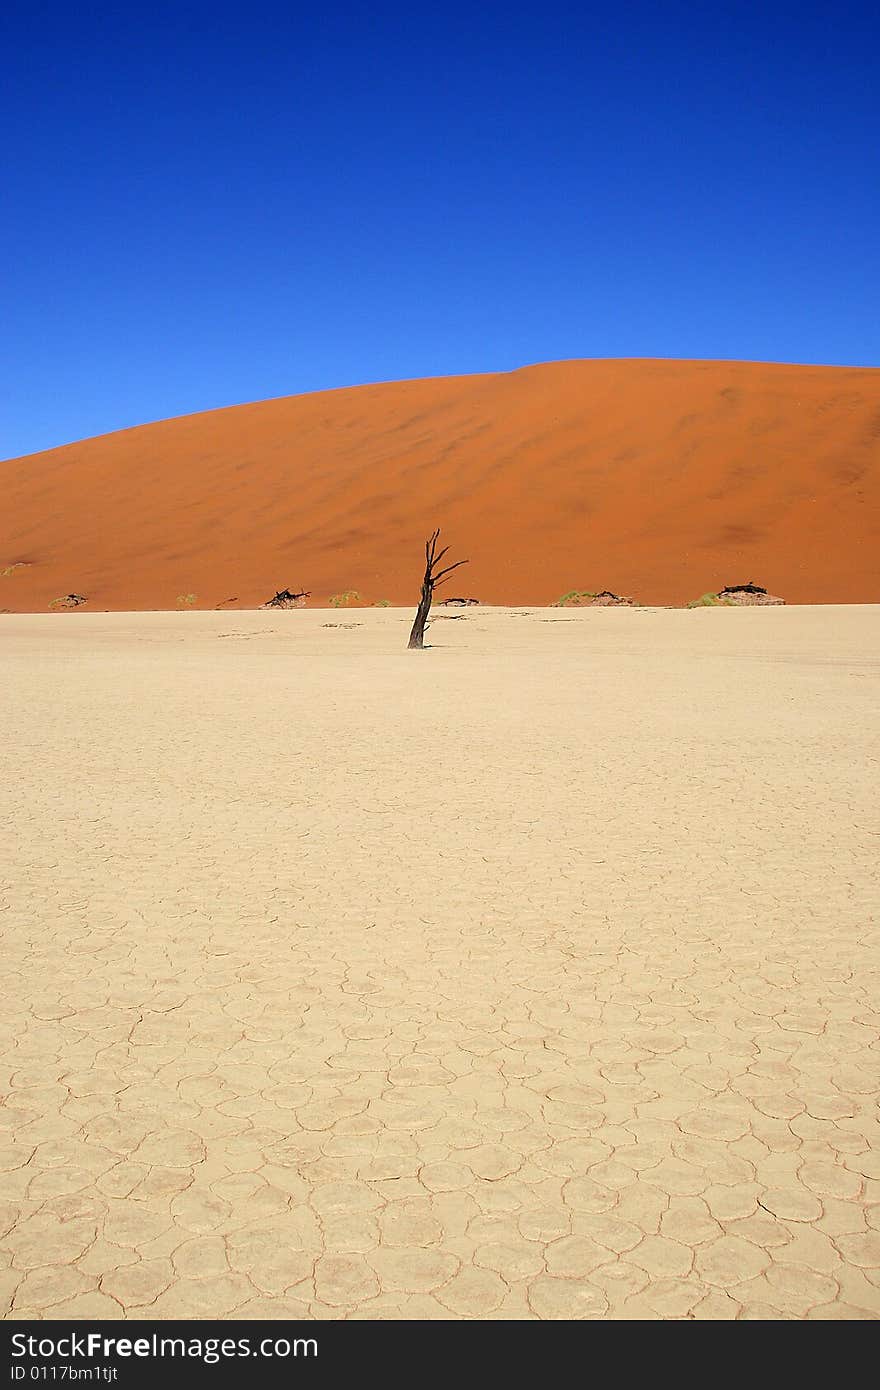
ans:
(208, 204)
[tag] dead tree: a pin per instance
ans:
(432, 578)
(285, 599)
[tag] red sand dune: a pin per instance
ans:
(658, 479)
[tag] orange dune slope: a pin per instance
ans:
(657, 479)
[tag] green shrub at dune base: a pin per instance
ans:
(574, 596)
(710, 601)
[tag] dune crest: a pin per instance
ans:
(657, 479)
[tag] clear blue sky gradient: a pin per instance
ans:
(213, 204)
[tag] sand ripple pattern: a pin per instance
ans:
(531, 976)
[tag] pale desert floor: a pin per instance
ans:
(534, 975)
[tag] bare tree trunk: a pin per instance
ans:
(432, 577)
(417, 636)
